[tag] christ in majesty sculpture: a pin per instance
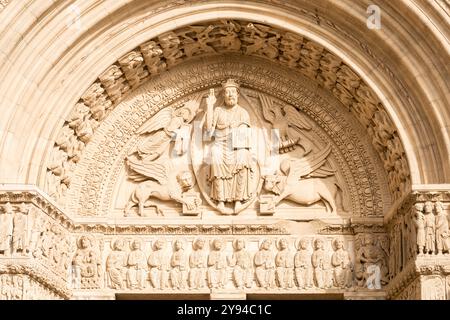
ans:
(230, 171)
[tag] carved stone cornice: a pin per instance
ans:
(356, 225)
(31, 194)
(182, 229)
(367, 225)
(335, 229)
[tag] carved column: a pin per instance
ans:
(419, 247)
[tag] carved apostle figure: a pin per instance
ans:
(284, 265)
(178, 262)
(230, 168)
(419, 222)
(430, 228)
(159, 265)
(302, 264)
(45, 243)
(318, 262)
(197, 264)
(55, 255)
(36, 229)
(87, 264)
(20, 231)
(374, 263)
(217, 266)
(6, 228)
(115, 265)
(242, 264)
(63, 249)
(442, 232)
(137, 267)
(265, 266)
(342, 265)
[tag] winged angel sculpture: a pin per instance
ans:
(149, 164)
(305, 181)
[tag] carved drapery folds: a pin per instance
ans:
(63, 257)
(419, 246)
(209, 263)
(219, 37)
(419, 228)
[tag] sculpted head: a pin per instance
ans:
(185, 113)
(239, 244)
(428, 207)
(369, 240)
(178, 245)
(282, 244)
(318, 244)
(303, 244)
(159, 244)
(338, 244)
(266, 244)
(136, 245)
(271, 183)
(186, 180)
(231, 92)
(217, 244)
(84, 242)
(199, 244)
(118, 245)
(419, 206)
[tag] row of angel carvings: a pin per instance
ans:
(223, 157)
(315, 264)
(172, 48)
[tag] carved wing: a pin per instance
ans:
(157, 122)
(266, 104)
(322, 172)
(295, 169)
(141, 171)
(295, 118)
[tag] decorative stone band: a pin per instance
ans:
(66, 255)
(51, 286)
(413, 282)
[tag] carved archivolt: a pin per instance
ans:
(167, 50)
